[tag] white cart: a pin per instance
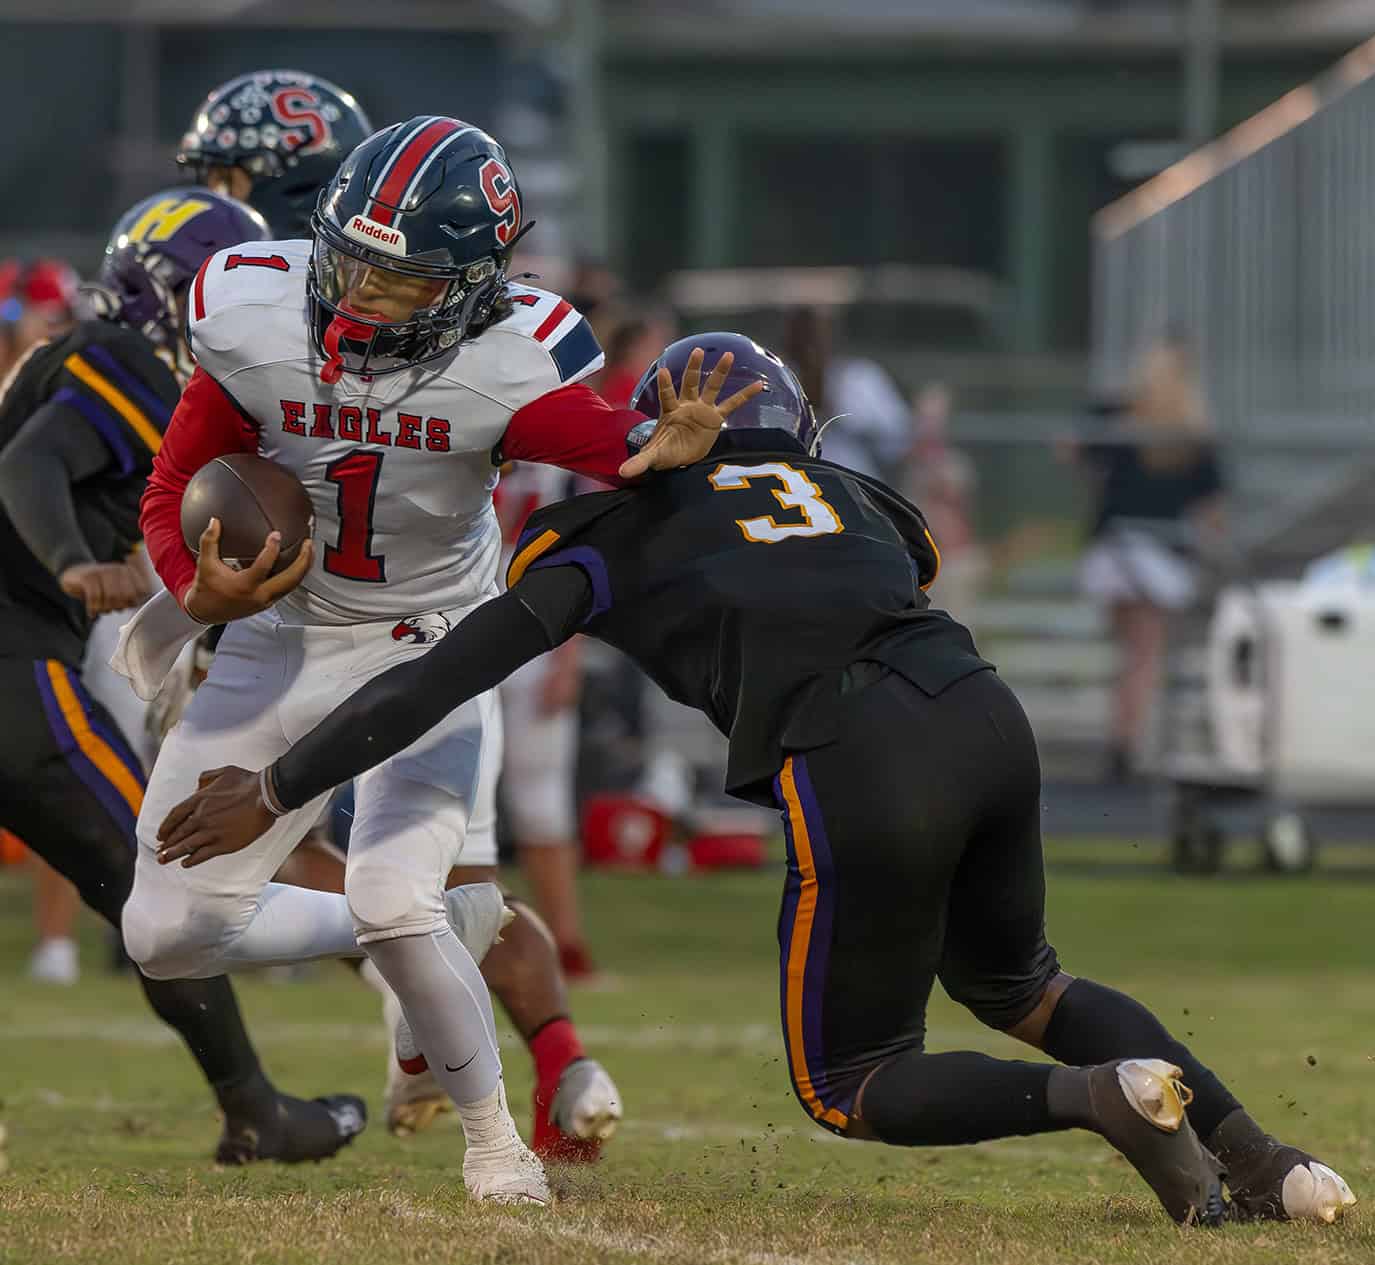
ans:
(1290, 703)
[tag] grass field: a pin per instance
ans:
(110, 1129)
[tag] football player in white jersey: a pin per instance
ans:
(275, 138)
(393, 367)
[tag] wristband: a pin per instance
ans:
(640, 434)
(268, 794)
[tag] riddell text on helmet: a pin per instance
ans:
(391, 240)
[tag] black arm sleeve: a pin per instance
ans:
(54, 449)
(392, 710)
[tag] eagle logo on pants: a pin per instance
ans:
(421, 630)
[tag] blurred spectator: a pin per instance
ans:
(1159, 506)
(37, 302)
(593, 286)
(612, 718)
(871, 430)
(941, 481)
(633, 342)
(539, 706)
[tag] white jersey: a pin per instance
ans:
(399, 466)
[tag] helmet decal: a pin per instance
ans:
(503, 199)
(289, 130)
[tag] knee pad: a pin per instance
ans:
(168, 937)
(387, 898)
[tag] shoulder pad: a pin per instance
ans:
(553, 527)
(113, 378)
(232, 288)
(557, 334)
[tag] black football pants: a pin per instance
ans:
(914, 853)
(71, 788)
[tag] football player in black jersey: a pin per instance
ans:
(80, 421)
(783, 597)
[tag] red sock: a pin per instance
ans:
(553, 1048)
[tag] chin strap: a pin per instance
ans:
(339, 328)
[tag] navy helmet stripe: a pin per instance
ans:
(576, 350)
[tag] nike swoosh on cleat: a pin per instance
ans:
(461, 1066)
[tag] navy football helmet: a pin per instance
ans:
(413, 238)
(155, 251)
(781, 405)
(287, 129)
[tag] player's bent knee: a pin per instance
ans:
(386, 899)
(998, 1002)
(167, 931)
(165, 944)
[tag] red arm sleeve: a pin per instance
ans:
(206, 424)
(572, 428)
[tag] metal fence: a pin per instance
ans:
(1261, 248)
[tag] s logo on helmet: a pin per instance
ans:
(499, 188)
(421, 630)
(299, 109)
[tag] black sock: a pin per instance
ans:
(918, 1099)
(206, 1015)
(1094, 1024)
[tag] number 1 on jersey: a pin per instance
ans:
(356, 477)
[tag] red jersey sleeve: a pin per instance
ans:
(207, 424)
(572, 428)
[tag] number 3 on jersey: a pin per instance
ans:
(356, 475)
(798, 493)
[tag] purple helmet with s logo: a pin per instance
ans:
(781, 405)
(155, 251)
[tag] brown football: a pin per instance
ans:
(251, 496)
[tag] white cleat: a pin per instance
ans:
(55, 961)
(506, 1174)
(1314, 1192)
(587, 1104)
(497, 1166)
(478, 914)
(1155, 1092)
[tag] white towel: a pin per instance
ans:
(150, 643)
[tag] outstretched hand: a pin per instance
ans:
(225, 815)
(219, 593)
(689, 421)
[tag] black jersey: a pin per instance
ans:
(110, 377)
(747, 584)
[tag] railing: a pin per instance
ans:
(1260, 246)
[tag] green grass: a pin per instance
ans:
(110, 1129)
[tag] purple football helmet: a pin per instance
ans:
(155, 251)
(781, 405)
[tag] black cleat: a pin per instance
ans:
(293, 1130)
(1138, 1105)
(1274, 1182)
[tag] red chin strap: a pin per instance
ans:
(340, 327)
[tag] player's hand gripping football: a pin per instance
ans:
(219, 593)
(225, 815)
(105, 586)
(689, 421)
